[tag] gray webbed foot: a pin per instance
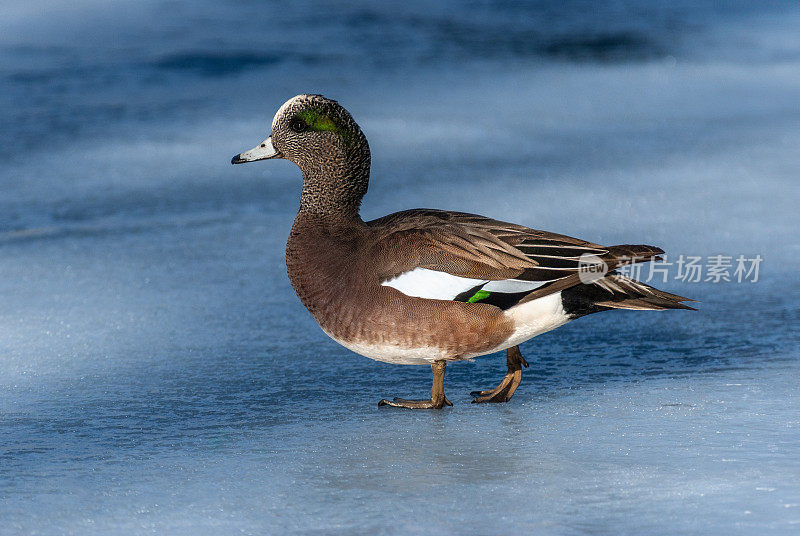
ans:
(416, 404)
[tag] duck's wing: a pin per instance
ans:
(454, 255)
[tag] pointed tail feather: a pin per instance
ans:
(614, 290)
(621, 292)
(630, 254)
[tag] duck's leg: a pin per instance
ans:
(437, 401)
(504, 391)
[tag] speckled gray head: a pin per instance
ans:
(302, 121)
(328, 146)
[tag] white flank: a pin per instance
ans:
(435, 285)
(534, 318)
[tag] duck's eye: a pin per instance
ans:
(298, 125)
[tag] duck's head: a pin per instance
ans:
(325, 142)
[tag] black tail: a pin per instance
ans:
(616, 291)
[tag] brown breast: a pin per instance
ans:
(338, 282)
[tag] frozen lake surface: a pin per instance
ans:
(158, 374)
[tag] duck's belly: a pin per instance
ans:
(391, 327)
(397, 353)
(456, 340)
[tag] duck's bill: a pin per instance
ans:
(264, 151)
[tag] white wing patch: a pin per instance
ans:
(434, 285)
(512, 285)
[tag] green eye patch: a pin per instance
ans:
(322, 123)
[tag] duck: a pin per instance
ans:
(428, 286)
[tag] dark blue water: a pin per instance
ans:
(157, 373)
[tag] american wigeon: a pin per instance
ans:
(429, 286)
